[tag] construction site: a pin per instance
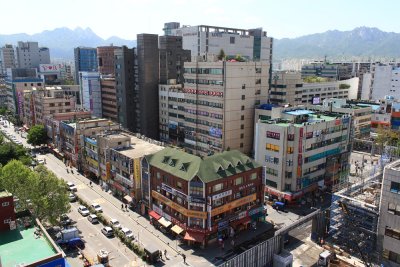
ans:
(353, 220)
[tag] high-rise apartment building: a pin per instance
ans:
(386, 82)
(91, 92)
(145, 99)
(105, 57)
(85, 60)
(7, 58)
(218, 100)
(203, 40)
(389, 215)
(30, 55)
(125, 80)
(286, 88)
(301, 149)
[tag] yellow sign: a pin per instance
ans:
(177, 207)
(234, 204)
(108, 170)
(136, 173)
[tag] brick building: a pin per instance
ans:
(203, 197)
(7, 213)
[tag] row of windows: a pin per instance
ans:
(203, 122)
(203, 92)
(204, 81)
(214, 71)
(393, 233)
(395, 187)
(205, 103)
(236, 181)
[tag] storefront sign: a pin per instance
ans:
(197, 230)
(256, 210)
(177, 207)
(223, 225)
(136, 172)
(199, 200)
(234, 204)
(238, 216)
(221, 195)
(246, 186)
(174, 191)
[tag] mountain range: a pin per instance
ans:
(359, 42)
(62, 41)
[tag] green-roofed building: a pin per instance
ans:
(203, 197)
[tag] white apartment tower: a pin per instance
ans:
(30, 55)
(7, 58)
(91, 92)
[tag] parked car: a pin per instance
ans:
(97, 207)
(83, 211)
(40, 161)
(93, 218)
(65, 220)
(127, 233)
(72, 187)
(107, 231)
(115, 223)
(72, 197)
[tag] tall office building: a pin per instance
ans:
(91, 92)
(7, 58)
(85, 60)
(169, 26)
(172, 57)
(146, 95)
(30, 55)
(109, 98)
(125, 79)
(105, 57)
(251, 44)
(286, 88)
(218, 101)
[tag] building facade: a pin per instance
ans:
(105, 57)
(7, 213)
(85, 60)
(386, 82)
(204, 197)
(286, 88)
(91, 92)
(203, 40)
(220, 98)
(389, 215)
(7, 58)
(109, 103)
(30, 55)
(301, 149)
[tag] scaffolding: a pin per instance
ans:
(354, 218)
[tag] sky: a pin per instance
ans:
(126, 18)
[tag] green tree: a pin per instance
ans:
(221, 55)
(16, 178)
(37, 135)
(239, 58)
(9, 151)
(49, 195)
(3, 111)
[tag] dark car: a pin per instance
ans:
(65, 220)
(75, 243)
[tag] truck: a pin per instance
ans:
(69, 238)
(324, 258)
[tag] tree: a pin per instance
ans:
(221, 55)
(9, 151)
(239, 58)
(49, 195)
(3, 111)
(37, 135)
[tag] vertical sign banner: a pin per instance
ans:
(136, 173)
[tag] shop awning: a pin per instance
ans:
(176, 229)
(243, 221)
(154, 215)
(164, 222)
(128, 199)
(194, 236)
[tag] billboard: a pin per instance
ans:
(316, 100)
(51, 67)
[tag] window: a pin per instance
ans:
(158, 175)
(179, 185)
(271, 183)
(7, 220)
(239, 181)
(395, 187)
(218, 187)
(242, 107)
(242, 117)
(243, 97)
(253, 176)
(394, 209)
(242, 126)
(232, 40)
(5, 204)
(394, 233)
(392, 256)
(243, 86)
(241, 144)
(241, 136)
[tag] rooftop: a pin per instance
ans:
(211, 168)
(22, 247)
(140, 148)
(5, 194)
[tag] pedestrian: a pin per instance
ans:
(233, 243)
(126, 207)
(160, 254)
(184, 258)
(122, 206)
(90, 183)
(165, 254)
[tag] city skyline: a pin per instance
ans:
(134, 17)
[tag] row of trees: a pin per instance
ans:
(38, 190)
(9, 151)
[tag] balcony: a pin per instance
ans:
(122, 179)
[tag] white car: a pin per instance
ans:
(71, 186)
(72, 197)
(93, 218)
(107, 231)
(127, 233)
(97, 207)
(83, 211)
(115, 223)
(41, 161)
